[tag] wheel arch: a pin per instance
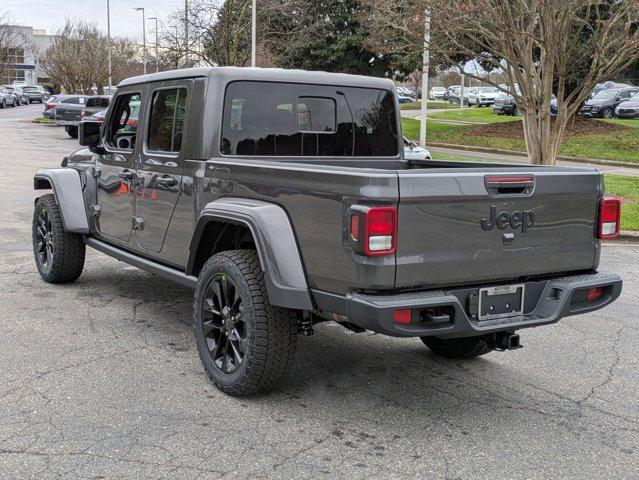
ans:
(67, 191)
(231, 223)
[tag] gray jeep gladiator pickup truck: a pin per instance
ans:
(283, 198)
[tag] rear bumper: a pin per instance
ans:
(67, 123)
(546, 302)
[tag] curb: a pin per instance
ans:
(629, 234)
(514, 153)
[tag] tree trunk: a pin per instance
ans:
(542, 138)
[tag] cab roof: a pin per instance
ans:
(228, 74)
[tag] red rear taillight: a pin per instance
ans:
(402, 316)
(373, 230)
(380, 231)
(49, 105)
(594, 293)
(609, 218)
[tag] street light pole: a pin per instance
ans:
(186, 32)
(143, 35)
(253, 32)
(425, 69)
(157, 48)
(109, 46)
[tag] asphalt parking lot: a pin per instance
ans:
(101, 379)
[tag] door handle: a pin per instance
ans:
(166, 181)
(127, 175)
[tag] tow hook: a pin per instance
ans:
(505, 341)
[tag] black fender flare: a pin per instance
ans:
(67, 190)
(275, 242)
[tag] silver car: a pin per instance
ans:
(10, 98)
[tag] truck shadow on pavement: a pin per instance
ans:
(375, 371)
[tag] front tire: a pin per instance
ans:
(608, 113)
(59, 255)
(458, 348)
(245, 344)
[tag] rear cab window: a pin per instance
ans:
(166, 120)
(285, 119)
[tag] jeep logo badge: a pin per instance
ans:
(515, 220)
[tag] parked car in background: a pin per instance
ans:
(629, 108)
(35, 93)
(603, 104)
(454, 95)
(505, 104)
(405, 99)
(482, 96)
(15, 101)
(96, 117)
(16, 90)
(412, 151)
(7, 99)
(437, 93)
(68, 113)
(95, 105)
(448, 90)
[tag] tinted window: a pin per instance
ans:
(279, 119)
(75, 100)
(168, 109)
(123, 123)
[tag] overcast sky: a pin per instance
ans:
(50, 14)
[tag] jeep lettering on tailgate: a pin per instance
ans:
(516, 220)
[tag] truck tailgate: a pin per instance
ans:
(546, 227)
(71, 113)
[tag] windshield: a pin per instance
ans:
(30, 89)
(486, 89)
(634, 98)
(607, 94)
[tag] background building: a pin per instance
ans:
(23, 64)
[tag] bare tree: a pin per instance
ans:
(77, 58)
(564, 47)
(12, 41)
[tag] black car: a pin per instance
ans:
(603, 104)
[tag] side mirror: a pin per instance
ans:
(89, 134)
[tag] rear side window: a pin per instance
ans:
(168, 109)
(74, 100)
(283, 119)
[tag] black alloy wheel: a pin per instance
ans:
(44, 239)
(608, 113)
(224, 323)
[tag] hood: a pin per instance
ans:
(598, 102)
(629, 104)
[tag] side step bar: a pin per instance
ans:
(143, 263)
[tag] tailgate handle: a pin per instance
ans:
(522, 185)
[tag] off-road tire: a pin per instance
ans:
(271, 331)
(68, 248)
(458, 348)
(72, 132)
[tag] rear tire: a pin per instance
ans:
(245, 344)
(72, 131)
(59, 255)
(458, 348)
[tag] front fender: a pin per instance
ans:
(276, 247)
(67, 190)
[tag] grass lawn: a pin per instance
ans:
(626, 188)
(621, 146)
(483, 115)
(42, 120)
(418, 105)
